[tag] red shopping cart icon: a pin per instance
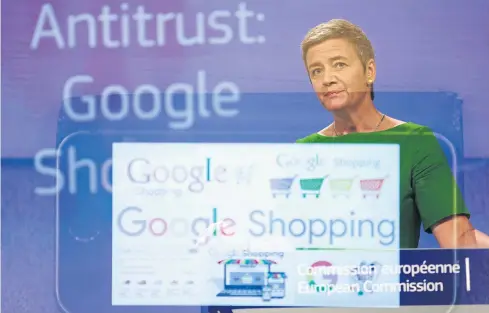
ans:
(372, 187)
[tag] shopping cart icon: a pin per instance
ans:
(281, 186)
(372, 187)
(341, 186)
(312, 186)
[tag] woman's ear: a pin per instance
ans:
(371, 71)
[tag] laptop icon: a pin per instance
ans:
(244, 279)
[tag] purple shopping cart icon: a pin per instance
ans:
(281, 186)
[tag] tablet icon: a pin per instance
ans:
(251, 278)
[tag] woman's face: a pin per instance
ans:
(338, 75)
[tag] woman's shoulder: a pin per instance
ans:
(322, 136)
(415, 136)
(315, 137)
(414, 128)
(424, 142)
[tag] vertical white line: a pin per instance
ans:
(467, 274)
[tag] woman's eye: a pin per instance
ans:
(339, 65)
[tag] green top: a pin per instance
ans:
(428, 191)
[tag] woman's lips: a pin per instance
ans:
(332, 94)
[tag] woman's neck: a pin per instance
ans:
(359, 120)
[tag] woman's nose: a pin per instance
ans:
(329, 80)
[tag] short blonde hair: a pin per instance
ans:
(339, 29)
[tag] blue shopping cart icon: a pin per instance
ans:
(281, 186)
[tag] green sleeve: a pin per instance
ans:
(436, 192)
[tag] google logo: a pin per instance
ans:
(330, 276)
(131, 222)
(310, 163)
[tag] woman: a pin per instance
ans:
(340, 62)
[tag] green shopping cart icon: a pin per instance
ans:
(312, 186)
(341, 186)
